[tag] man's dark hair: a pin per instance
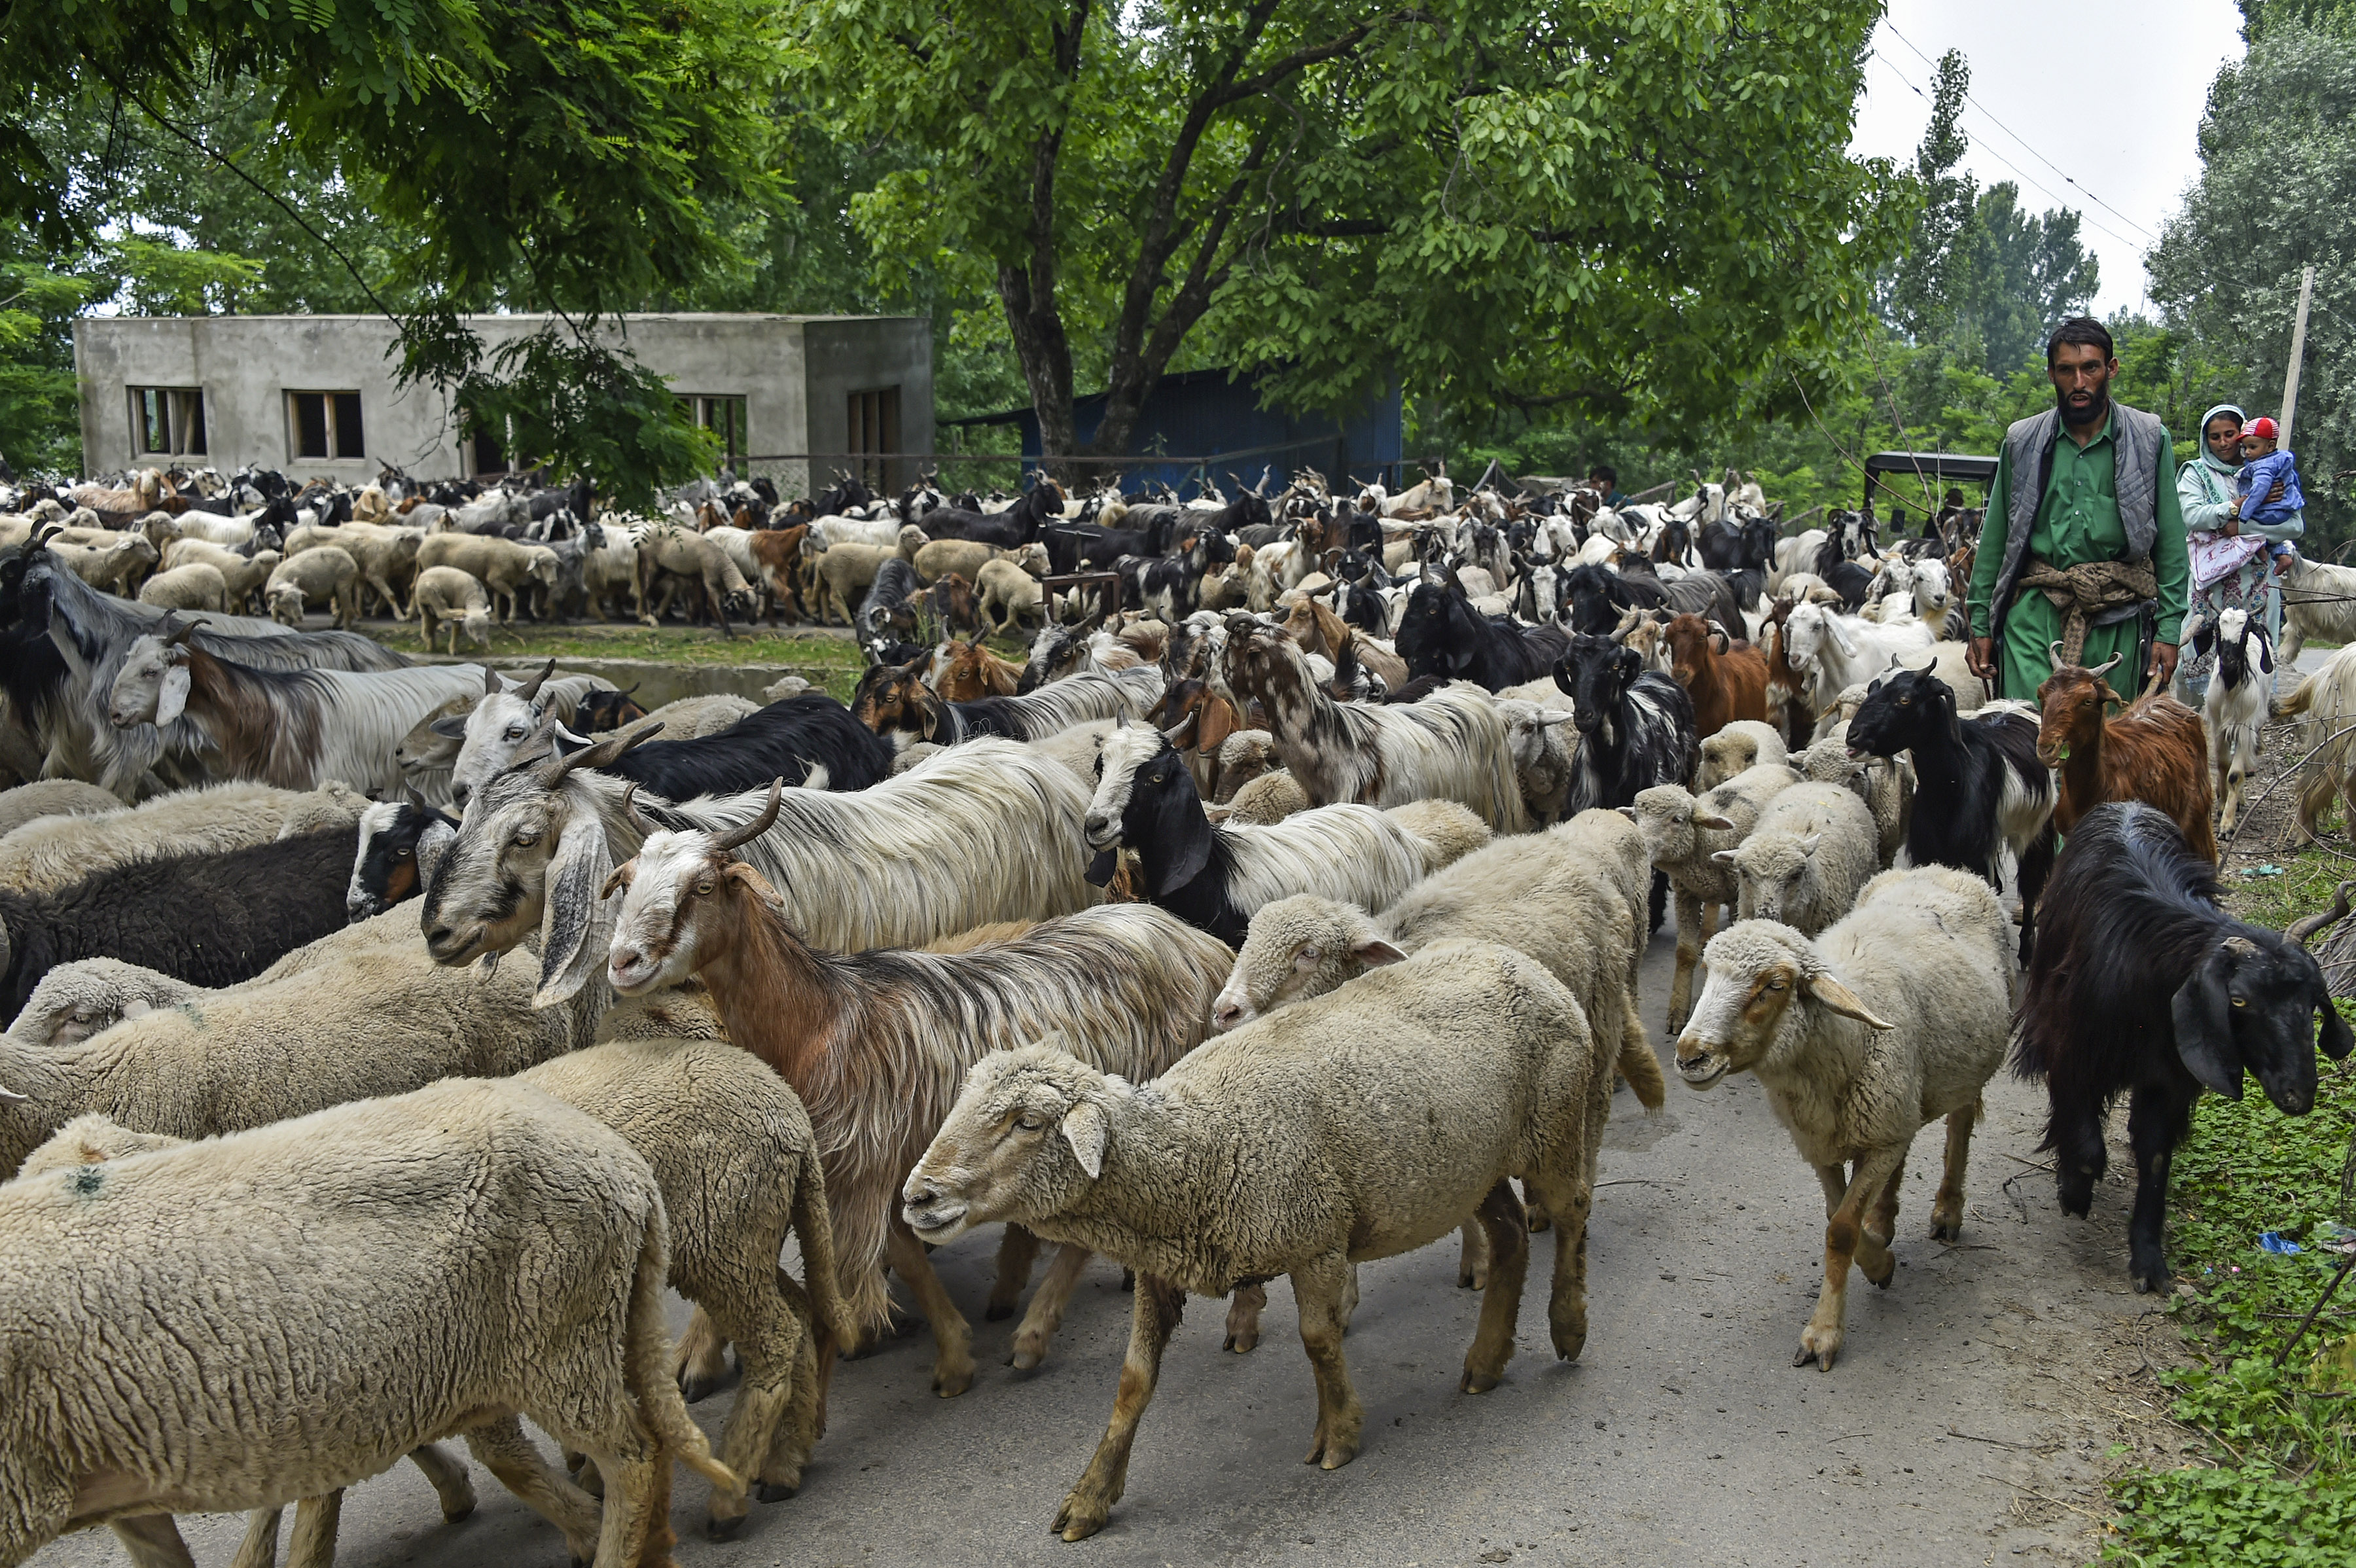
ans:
(1605, 472)
(2081, 329)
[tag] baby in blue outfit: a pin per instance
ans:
(2263, 468)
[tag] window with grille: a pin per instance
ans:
(874, 427)
(167, 421)
(722, 414)
(324, 425)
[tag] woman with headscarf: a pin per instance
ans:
(2229, 566)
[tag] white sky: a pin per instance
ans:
(2110, 91)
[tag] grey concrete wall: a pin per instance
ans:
(245, 365)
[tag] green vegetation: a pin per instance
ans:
(2280, 1488)
(831, 660)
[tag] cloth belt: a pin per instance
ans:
(2083, 592)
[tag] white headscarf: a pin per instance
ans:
(2201, 434)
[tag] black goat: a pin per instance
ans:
(1979, 789)
(784, 740)
(2142, 985)
(1598, 596)
(211, 919)
(1729, 546)
(604, 710)
(1635, 730)
(891, 601)
(1441, 634)
(1016, 526)
(386, 870)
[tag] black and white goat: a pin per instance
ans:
(2143, 985)
(1979, 789)
(893, 701)
(2234, 710)
(399, 843)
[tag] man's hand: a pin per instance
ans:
(1980, 658)
(2163, 664)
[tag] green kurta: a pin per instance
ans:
(2077, 521)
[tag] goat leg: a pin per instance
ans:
(2156, 1121)
(952, 1339)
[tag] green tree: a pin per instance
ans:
(1623, 205)
(1917, 291)
(2279, 176)
(2016, 274)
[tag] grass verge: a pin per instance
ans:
(2279, 1490)
(835, 661)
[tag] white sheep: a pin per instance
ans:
(1007, 591)
(194, 586)
(1683, 834)
(241, 575)
(1543, 757)
(327, 574)
(1277, 1150)
(77, 999)
(446, 597)
(42, 798)
(53, 854)
(1813, 847)
(1895, 1017)
(1740, 747)
(383, 1297)
(1886, 785)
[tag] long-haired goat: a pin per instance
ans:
(2319, 601)
(877, 1043)
(2235, 707)
(1441, 634)
(2156, 751)
(2325, 705)
(2143, 985)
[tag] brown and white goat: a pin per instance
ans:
(2156, 751)
(971, 671)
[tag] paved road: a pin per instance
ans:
(1965, 1424)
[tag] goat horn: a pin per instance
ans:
(2105, 667)
(630, 809)
(757, 826)
(530, 688)
(416, 799)
(182, 634)
(2301, 932)
(490, 681)
(2053, 651)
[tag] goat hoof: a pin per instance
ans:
(1241, 1344)
(1947, 1230)
(718, 1529)
(1474, 1382)
(695, 1390)
(997, 1312)
(774, 1491)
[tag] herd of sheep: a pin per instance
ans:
(386, 1039)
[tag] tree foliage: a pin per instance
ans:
(1623, 205)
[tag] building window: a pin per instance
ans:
(324, 425)
(723, 416)
(483, 454)
(875, 426)
(167, 421)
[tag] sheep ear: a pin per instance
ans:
(1376, 953)
(139, 1008)
(174, 697)
(574, 929)
(2202, 1013)
(1846, 1003)
(1716, 824)
(1723, 856)
(1085, 1129)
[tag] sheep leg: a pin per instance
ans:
(259, 1547)
(1689, 939)
(768, 1338)
(152, 1540)
(1473, 1257)
(500, 1447)
(1875, 1261)
(2156, 1121)
(1820, 1341)
(805, 1422)
(952, 1339)
(312, 1543)
(1046, 1314)
(1153, 1316)
(1493, 1342)
(1321, 1287)
(1947, 1208)
(1571, 1197)
(1244, 1308)
(1018, 1248)
(701, 1360)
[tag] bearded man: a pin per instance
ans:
(2084, 543)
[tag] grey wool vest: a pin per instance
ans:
(2143, 453)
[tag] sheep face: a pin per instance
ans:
(1768, 869)
(1298, 948)
(1027, 1134)
(286, 604)
(1756, 969)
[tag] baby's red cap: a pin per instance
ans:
(2262, 428)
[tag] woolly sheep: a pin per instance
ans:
(1740, 747)
(113, 567)
(1007, 594)
(77, 1000)
(1898, 1015)
(52, 855)
(52, 797)
(1683, 833)
(1542, 754)
(1270, 798)
(1276, 1150)
(194, 587)
(326, 575)
(503, 566)
(445, 597)
(1886, 785)
(1813, 847)
(1247, 755)
(118, 1279)
(241, 575)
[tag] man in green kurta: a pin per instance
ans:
(2085, 537)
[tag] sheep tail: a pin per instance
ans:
(814, 1228)
(649, 1374)
(1640, 1066)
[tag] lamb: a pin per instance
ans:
(77, 1000)
(243, 576)
(1212, 875)
(1896, 1016)
(325, 576)
(194, 587)
(874, 1041)
(1886, 785)
(1683, 836)
(55, 854)
(1007, 591)
(504, 567)
(445, 597)
(1740, 747)
(1813, 847)
(1276, 1150)
(441, 1200)
(114, 566)
(387, 557)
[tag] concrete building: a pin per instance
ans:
(316, 396)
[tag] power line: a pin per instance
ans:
(2017, 137)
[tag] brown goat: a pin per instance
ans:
(778, 553)
(889, 694)
(952, 598)
(1727, 679)
(973, 672)
(1198, 722)
(1319, 630)
(1787, 703)
(2156, 751)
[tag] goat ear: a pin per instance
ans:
(174, 697)
(451, 727)
(1191, 838)
(2334, 1040)
(1832, 993)
(2202, 1013)
(1086, 1128)
(575, 926)
(1217, 723)
(2265, 656)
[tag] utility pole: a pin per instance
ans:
(2297, 350)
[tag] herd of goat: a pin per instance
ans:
(1359, 819)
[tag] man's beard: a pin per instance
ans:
(2094, 411)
